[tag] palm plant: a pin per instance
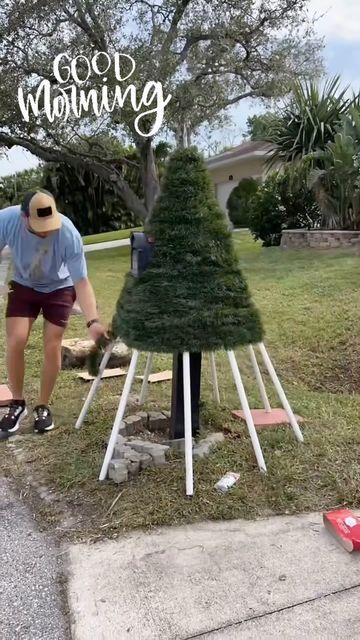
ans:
(335, 175)
(309, 120)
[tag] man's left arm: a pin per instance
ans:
(76, 264)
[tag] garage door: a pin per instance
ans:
(223, 191)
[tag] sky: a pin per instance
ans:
(340, 25)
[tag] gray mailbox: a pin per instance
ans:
(141, 253)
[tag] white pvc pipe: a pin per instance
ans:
(259, 380)
(188, 426)
(144, 386)
(119, 415)
(281, 393)
(94, 386)
(247, 413)
(214, 377)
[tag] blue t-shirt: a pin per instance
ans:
(44, 264)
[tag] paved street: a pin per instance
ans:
(31, 601)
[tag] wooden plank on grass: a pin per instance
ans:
(162, 376)
(108, 373)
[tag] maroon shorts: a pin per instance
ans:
(24, 302)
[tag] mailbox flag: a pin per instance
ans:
(192, 296)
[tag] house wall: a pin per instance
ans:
(223, 185)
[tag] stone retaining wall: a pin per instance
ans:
(319, 239)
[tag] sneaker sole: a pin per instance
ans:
(49, 428)
(15, 429)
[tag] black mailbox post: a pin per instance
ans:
(141, 252)
(142, 248)
(177, 423)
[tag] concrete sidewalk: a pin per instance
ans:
(282, 578)
(111, 244)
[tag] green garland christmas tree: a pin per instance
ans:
(193, 296)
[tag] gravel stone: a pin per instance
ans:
(30, 572)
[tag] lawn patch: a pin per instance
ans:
(309, 302)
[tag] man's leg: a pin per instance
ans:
(17, 335)
(56, 307)
(21, 312)
(53, 335)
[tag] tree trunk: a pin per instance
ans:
(180, 137)
(149, 174)
(188, 137)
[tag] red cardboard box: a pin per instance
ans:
(344, 525)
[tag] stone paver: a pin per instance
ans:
(204, 447)
(118, 471)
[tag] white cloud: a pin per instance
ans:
(17, 159)
(341, 19)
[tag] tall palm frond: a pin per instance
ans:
(309, 120)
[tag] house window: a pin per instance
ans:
(231, 178)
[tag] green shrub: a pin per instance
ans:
(238, 202)
(283, 201)
(267, 215)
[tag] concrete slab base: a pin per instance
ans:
(266, 420)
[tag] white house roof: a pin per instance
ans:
(243, 151)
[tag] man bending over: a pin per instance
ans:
(49, 274)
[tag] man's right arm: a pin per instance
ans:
(2, 247)
(3, 231)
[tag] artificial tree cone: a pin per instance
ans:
(193, 296)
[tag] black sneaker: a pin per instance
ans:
(10, 423)
(43, 419)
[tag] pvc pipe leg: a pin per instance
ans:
(119, 415)
(94, 387)
(246, 409)
(214, 377)
(259, 380)
(144, 386)
(188, 426)
(281, 393)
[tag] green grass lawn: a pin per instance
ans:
(121, 234)
(310, 304)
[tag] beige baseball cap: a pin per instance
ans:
(40, 209)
